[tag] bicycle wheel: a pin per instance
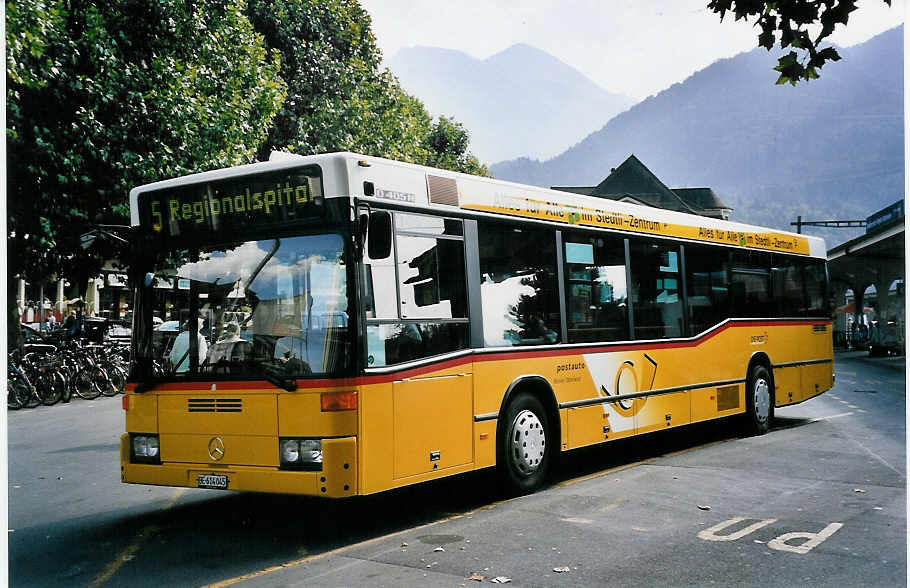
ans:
(85, 384)
(17, 391)
(68, 371)
(115, 379)
(67, 388)
(32, 400)
(29, 372)
(50, 388)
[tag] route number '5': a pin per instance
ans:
(157, 219)
(781, 543)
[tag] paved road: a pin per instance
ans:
(819, 500)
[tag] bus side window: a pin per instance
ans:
(787, 285)
(656, 303)
(816, 282)
(430, 317)
(750, 287)
(388, 344)
(379, 297)
(431, 275)
(597, 295)
(519, 290)
(707, 290)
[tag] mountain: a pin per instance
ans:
(829, 149)
(519, 102)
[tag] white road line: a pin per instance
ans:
(833, 416)
(867, 450)
(879, 458)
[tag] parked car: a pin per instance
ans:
(118, 332)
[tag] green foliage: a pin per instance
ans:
(103, 96)
(447, 147)
(339, 96)
(788, 24)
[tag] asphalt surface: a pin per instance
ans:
(821, 499)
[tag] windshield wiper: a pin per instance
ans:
(153, 372)
(272, 375)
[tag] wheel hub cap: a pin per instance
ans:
(762, 397)
(528, 442)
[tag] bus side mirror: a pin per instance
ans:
(148, 280)
(379, 234)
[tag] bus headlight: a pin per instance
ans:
(290, 451)
(300, 454)
(144, 448)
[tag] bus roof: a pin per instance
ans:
(418, 187)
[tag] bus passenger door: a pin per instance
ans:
(433, 424)
(416, 309)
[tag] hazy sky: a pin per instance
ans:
(633, 47)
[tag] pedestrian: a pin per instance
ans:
(179, 355)
(75, 324)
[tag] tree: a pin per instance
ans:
(790, 23)
(103, 96)
(340, 98)
(447, 147)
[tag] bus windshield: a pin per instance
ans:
(271, 308)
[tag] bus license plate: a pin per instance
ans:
(214, 481)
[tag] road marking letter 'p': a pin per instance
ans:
(814, 540)
(780, 543)
(711, 534)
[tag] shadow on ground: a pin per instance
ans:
(210, 536)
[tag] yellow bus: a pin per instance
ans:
(339, 325)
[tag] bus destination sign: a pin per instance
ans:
(234, 204)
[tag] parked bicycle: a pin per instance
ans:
(46, 374)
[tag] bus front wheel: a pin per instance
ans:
(525, 451)
(759, 400)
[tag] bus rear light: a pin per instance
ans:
(335, 401)
(125, 402)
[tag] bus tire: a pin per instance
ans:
(759, 400)
(524, 452)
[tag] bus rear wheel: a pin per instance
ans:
(759, 400)
(525, 452)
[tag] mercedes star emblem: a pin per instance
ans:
(216, 448)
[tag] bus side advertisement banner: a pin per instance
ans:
(594, 217)
(234, 204)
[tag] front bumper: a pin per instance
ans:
(337, 479)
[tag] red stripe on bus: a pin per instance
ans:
(473, 358)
